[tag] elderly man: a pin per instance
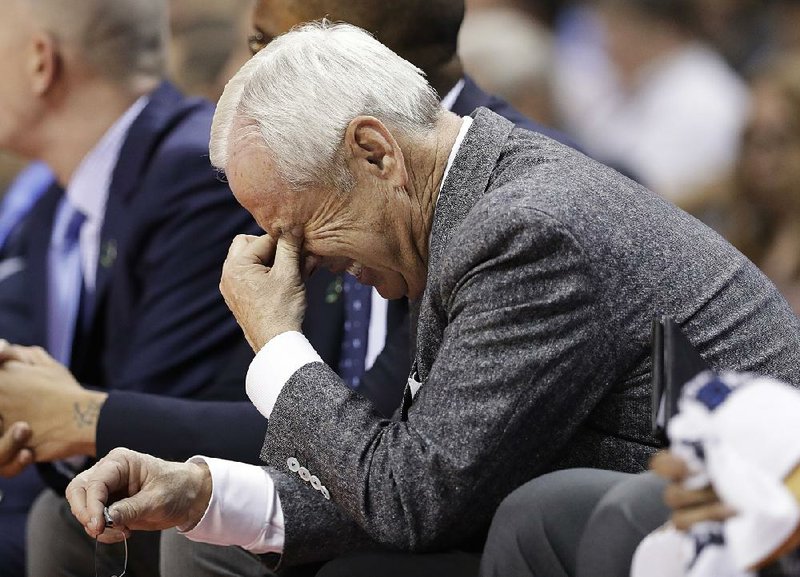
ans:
(535, 272)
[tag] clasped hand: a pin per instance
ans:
(263, 286)
(38, 399)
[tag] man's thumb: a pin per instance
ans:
(287, 253)
(126, 512)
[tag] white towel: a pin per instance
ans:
(741, 433)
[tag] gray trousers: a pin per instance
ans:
(181, 557)
(57, 545)
(573, 523)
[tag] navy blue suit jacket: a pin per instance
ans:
(157, 323)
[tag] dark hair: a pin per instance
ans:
(402, 25)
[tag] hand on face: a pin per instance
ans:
(263, 286)
(37, 390)
(151, 494)
(688, 506)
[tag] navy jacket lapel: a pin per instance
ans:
(41, 219)
(470, 98)
(140, 144)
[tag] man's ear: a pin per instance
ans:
(44, 63)
(374, 150)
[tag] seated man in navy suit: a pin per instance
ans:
(122, 255)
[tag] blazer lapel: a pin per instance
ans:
(140, 143)
(467, 180)
(41, 219)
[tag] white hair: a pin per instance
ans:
(298, 95)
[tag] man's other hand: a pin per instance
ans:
(688, 506)
(151, 494)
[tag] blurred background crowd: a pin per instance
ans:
(697, 99)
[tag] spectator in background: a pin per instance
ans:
(738, 29)
(509, 53)
(207, 44)
(785, 21)
(758, 206)
(638, 90)
(543, 11)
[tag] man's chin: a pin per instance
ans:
(389, 285)
(390, 292)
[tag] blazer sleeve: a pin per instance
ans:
(177, 429)
(514, 377)
(334, 532)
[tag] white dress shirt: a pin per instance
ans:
(88, 188)
(255, 521)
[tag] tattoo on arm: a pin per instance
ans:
(86, 414)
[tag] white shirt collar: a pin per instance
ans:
(466, 122)
(450, 98)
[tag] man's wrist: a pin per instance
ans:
(199, 496)
(262, 337)
(85, 411)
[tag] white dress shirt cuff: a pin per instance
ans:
(274, 365)
(244, 509)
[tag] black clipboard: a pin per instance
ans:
(675, 362)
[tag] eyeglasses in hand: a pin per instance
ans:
(110, 560)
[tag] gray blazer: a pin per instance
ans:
(545, 271)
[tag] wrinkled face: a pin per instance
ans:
(770, 156)
(18, 109)
(355, 231)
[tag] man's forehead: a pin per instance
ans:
(251, 168)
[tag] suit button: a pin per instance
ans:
(293, 464)
(304, 474)
(325, 493)
(315, 482)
